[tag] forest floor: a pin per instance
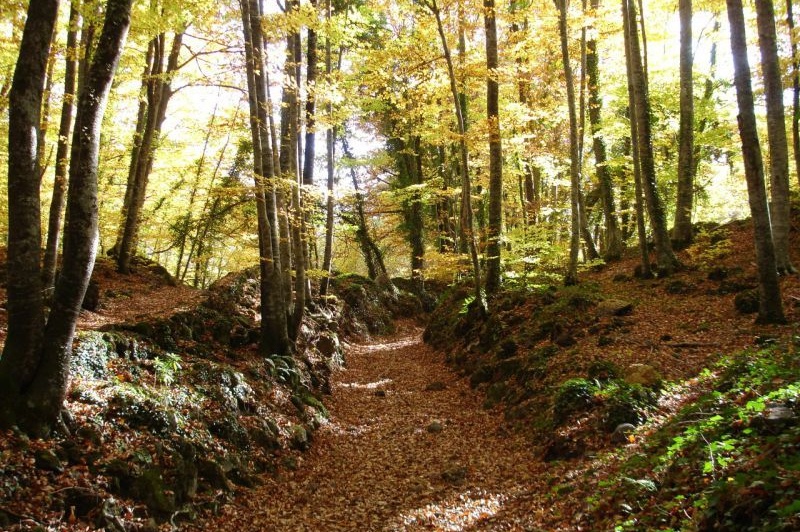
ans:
(409, 444)
(408, 447)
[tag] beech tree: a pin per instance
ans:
(59, 196)
(770, 307)
(34, 368)
(776, 135)
(466, 185)
(495, 151)
(667, 262)
(161, 63)
(571, 276)
(682, 230)
(275, 337)
(613, 237)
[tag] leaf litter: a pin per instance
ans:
(374, 466)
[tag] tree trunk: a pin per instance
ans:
(776, 134)
(466, 186)
(667, 262)
(634, 150)
(571, 276)
(495, 151)
(58, 200)
(682, 231)
(158, 94)
(373, 257)
(613, 238)
(35, 402)
(770, 307)
(22, 351)
(274, 325)
(311, 98)
(330, 143)
(795, 88)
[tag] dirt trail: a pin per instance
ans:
(382, 464)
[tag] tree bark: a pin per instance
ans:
(311, 99)
(667, 262)
(274, 326)
(682, 230)
(22, 351)
(776, 135)
(612, 250)
(795, 88)
(495, 151)
(466, 186)
(58, 199)
(571, 276)
(35, 402)
(770, 306)
(158, 93)
(635, 152)
(330, 143)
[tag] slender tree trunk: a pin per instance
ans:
(770, 305)
(635, 152)
(612, 236)
(495, 151)
(795, 88)
(41, 142)
(330, 143)
(667, 262)
(311, 99)
(571, 276)
(373, 257)
(158, 94)
(274, 325)
(776, 134)
(466, 186)
(58, 201)
(682, 231)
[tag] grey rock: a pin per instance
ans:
(622, 432)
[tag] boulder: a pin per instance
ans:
(614, 307)
(643, 375)
(622, 433)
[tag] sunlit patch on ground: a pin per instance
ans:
(456, 513)
(366, 386)
(401, 343)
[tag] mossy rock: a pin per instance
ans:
(495, 394)
(643, 375)
(573, 396)
(143, 413)
(626, 403)
(90, 355)
(150, 487)
(602, 370)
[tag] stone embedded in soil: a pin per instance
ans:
(47, 460)
(614, 307)
(643, 374)
(436, 386)
(435, 427)
(455, 474)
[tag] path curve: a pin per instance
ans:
(382, 464)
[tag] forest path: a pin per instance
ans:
(382, 463)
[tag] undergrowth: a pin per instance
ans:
(729, 461)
